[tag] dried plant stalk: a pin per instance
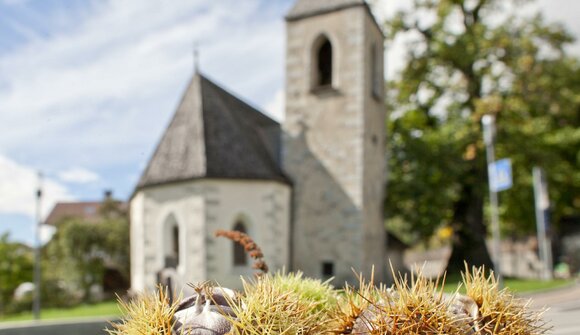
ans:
(249, 246)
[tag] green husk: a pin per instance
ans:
(284, 304)
(146, 314)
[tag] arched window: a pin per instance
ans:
(323, 66)
(375, 76)
(175, 243)
(240, 256)
(171, 242)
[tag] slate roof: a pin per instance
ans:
(305, 8)
(214, 134)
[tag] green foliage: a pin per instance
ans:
(475, 58)
(16, 267)
(79, 251)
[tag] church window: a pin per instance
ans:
(175, 243)
(323, 65)
(240, 256)
(375, 74)
(327, 269)
(171, 241)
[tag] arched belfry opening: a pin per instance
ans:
(171, 242)
(376, 75)
(323, 62)
(240, 257)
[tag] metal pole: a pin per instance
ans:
(542, 206)
(488, 122)
(36, 302)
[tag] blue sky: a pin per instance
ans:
(88, 86)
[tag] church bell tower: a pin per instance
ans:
(334, 138)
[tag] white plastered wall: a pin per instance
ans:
(263, 207)
(200, 208)
(150, 210)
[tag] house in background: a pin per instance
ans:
(92, 212)
(89, 211)
(309, 191)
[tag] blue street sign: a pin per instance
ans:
(500, 175)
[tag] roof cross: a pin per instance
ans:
(195, 57)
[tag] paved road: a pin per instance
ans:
(563, 309)
(86, 326)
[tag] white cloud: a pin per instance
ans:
(98, 89)
(102, 92)
(78, 175)
(18, 186)
(276, 106)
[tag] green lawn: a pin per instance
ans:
(514, 285)
(108, 308)
(527, 286)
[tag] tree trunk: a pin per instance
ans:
(469, 232)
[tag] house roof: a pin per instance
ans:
(89, 211)
(305, 8)
(214, 134)
(85, 210)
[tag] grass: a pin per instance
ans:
(515, 285)
(107, 308)
(528, 286)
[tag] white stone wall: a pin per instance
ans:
(200, 208)
(137, 243)
(338, 196)
(263, 207)
(150, 209)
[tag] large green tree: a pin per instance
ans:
(467, 58)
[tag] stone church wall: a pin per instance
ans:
(151, 210)
(263, 207)
(328, 149)
(374, 149)
(199, 208)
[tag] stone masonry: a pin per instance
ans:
(334, 145)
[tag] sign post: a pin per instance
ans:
(38, 245)
(499, 178)
(500, 175)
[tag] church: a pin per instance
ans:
(309, 191)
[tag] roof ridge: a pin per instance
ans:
(243, 101)
(148, 175)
